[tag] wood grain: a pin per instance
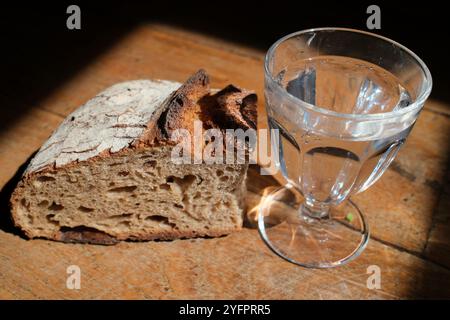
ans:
(238, 266)
(410, 243)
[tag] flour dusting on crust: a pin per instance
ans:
(110, 121)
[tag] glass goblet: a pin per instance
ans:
(343, 102)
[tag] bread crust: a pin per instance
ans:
(229, 108)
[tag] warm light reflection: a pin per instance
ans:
(264, 198)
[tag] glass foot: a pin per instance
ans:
(311, 242)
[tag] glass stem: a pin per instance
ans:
(318, 211)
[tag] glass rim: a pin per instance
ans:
(418, 102)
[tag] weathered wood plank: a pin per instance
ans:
(238, 266)
(438, 245)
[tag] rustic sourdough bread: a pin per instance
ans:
(106, 173)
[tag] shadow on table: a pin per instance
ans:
(6, 223)
(437, 249)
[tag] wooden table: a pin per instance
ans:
(408, 209)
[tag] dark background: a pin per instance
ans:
(38, 52)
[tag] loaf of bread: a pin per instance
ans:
(106, 173)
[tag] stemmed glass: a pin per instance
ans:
(343, 102)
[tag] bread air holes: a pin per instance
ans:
(118, 191)
(43, 204)
(125, 224)
(123, 216)
(71, 178)
(151, 164)
(151, 154)
(51, 218)
(125, 189)
(164, 186)
(123, 173)
(85, 209)
(45, 178)
(183, 183)
(24, 204)
(55, 207)
(41, 180)
(219, 173)
(115, 164)
(160, 220)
